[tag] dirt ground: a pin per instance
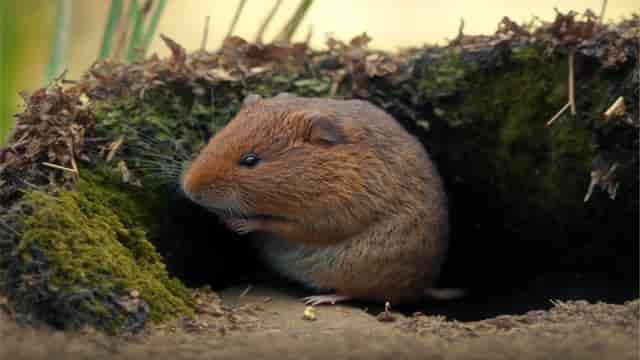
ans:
(260, 322)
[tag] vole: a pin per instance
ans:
(336, 194)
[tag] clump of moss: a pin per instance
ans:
(509, 174)
(536, 168)
(441, 74)
(86, 253)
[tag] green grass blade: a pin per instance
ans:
(267, 21)
(294, 22)
(236, 17)
(134, 40)
(18, 36)
(110, 28)
(60, 39)
(153, 25)
(123, 31)
(8, 44)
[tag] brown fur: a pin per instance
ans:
(343, 197)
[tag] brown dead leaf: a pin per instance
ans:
(178, 53)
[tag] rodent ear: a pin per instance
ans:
(323, 129)
(250, 99)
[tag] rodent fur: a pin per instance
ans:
(343, 198)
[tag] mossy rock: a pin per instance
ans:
(85, 258)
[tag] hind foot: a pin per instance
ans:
(324, 299)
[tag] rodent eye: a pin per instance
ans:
(249, 160)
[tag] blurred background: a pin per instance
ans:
(41, 38)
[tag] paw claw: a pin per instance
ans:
(240, 226)
(323, 299)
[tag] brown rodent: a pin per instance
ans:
(337, 195)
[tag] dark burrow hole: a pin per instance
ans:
(504, 271)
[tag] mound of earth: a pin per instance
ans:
(268, 323)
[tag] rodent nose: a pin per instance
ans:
(189, 186)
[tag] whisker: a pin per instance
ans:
(160, 174)
(155, 172)
(158, 155)
(156, 163)
(152, 172)
(150, 139)
(157, 169)
(156, 160)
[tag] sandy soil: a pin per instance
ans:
(259, 322)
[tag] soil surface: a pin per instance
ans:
(267, 322)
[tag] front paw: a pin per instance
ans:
(240, 225)
(324, 299)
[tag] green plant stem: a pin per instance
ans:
(136, 18)
(267, 21)
(236, 17)
(8, 35)
(109, 30)
(60, 39)
(294, 22)
(153, 25)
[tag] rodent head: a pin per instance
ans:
(289, 158)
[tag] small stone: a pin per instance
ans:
(309, 314)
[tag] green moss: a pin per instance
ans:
(163, 130)
(443, 76)
(312, 87)
(526, 54)
(536, 169)
(95, 240)
(159, 114)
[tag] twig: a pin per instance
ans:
(602, 11)
(572, 96)
(245, 292)
(74, 165)
(60, 78)
(59, 167)
(599, 177)
(205, 34)
(113, 147)
(458, 39)
(29, 184)
(558, 114)
(617, 108)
